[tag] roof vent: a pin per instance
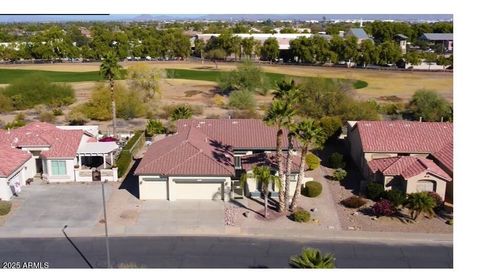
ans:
(234, 122)
(202, 122)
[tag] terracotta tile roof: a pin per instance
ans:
(238, 133)
(61, 143)
(406, 166)
(445, 156)
(268, 159)
(11, 159)
(189, 152)
(404, 136)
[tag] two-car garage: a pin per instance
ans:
(183, 188)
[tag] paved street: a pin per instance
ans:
(220, 252)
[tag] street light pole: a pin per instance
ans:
(106, 229)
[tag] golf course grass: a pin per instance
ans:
(9, 75)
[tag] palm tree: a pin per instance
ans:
(279, 115)
(309, 134)
(419, 203)
(288, 92)
(110, 70)
(263, 175)
(312, 258)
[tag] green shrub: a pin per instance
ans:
(5, 103)
(418, 203)
(244, 100)
(331, 125)
(395, 196)
(247, 76)
(353, 202)
(312, 189)
(27, 92)
(336, 161)
(19, 121)
(154, 127)
(5, 207)
(181, 112)
(339, 174)
(312, 161)
(301, 216)
(438, 200)
(47, 116)
(57, 111)
(123, 162)
(76, 118)
(312, 258)
(375, 191)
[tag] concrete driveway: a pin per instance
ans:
(53, 206)
(180, 217)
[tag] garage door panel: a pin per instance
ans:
(153, 190)
(198, 191)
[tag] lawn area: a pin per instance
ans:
(8, 75)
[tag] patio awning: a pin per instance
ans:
(97, 148)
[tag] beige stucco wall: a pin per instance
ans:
(441, 184)
(24, 172)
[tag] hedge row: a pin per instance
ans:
(123, 162)
(126, 155)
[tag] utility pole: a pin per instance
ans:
(106, 228)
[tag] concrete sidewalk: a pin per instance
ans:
(286, 234)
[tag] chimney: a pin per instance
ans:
(341, 34)
(441, 119)
(420, 119)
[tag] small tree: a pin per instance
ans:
(312, 258)
(430, 106)
(336, 161)
(313, 162)
(418, 203)
(339, 174)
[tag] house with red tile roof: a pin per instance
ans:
(404, 155)
(55, 154)
(205, 159)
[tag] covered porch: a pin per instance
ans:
(95, 161)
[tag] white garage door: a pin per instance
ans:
(153, 189)
(198, 191)
(426, 185)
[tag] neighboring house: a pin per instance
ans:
(62, 154)
(409, 156)
(445, 39)
(358, 33)
(401, 39)
(206, 158)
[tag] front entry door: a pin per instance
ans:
(39, 165)
(237, 190)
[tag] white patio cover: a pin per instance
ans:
(96, 148)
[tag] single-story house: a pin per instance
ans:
(409, 156)
(445, 39)
(206, 158)
(58, 154)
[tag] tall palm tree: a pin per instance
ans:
(289, 93)
(264, 176)
(110, 70)
(309, 134)
(279, 115)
